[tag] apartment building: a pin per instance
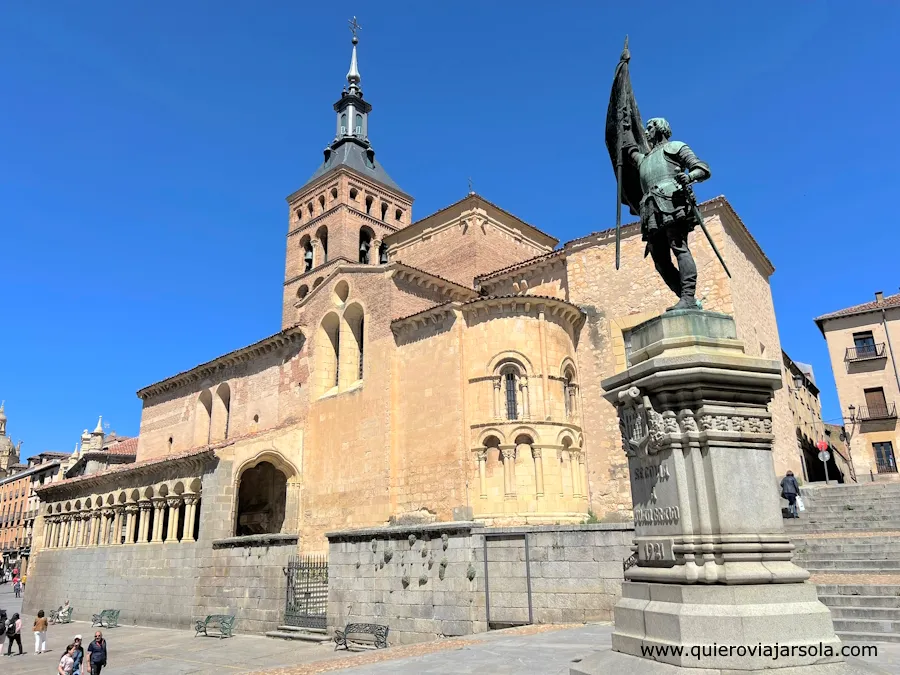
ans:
(862, 345)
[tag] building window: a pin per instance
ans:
(876, 404)
(359, 125)
(343, 124)
(369, 201)
(306, 245)
(365, 245)
(262, 498)
(864, 343)
(884, 457)
(511, 381)
(382, 254)
(569, 388)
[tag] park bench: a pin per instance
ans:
(223, 622)
(107, 618)
(63, 615)
(353, 632)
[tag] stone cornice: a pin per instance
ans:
(432, 315)
(525, 269)
(333, 173)
(190, 463)
(526, 303)
(242, 355)
(315, 220)
(430, 281)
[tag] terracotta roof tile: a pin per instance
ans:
(127, 446)
(519, 265)
(871, 306)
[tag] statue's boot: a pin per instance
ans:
(687, 302)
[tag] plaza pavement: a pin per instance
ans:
(537, 650)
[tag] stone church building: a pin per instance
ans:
(440, 369)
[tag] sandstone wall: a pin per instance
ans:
(425, 587)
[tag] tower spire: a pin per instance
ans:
(353, 76)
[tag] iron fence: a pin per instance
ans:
(306, 601)
(865, 352)
(885, 412)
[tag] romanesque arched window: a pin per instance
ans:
(570, 389)
(510, 376)
(369, 201)
(384, 209)
(221, 415)
(261, 500)
(354, 356)
(365, 244)
(322, 236)
(306, 245)
(383, 254)
(202, 418)
(328, 352)
(322, 203)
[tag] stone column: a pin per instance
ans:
(84, 517)
(107, 516)
(159, 505)
(131, 511)
(582, 474)
(538, 471)
(573, 469)
(49, 532)
(119, 510)
(498, 399)
(96, 526)
(174, 503)
(509, 472)
(317, 252)
(374, 251)
(481, 458)
(713, 559)
(143, 535)
(70, 531)
(525, 406)
(190, 515)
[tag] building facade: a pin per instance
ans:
(445, 369)
(861, 345)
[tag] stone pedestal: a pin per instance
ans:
(712, 564)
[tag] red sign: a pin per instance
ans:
(822, 445)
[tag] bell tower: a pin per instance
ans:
(350, 204)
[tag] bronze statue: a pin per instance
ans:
(654, 176)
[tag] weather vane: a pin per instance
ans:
(354, 27)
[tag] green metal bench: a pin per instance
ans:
(223, 622)
(64, 615)
(107, 618)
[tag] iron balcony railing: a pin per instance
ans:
(885, 467)
(865, 353)
(885, 412)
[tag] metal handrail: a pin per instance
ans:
(868, 413)
(865, 353)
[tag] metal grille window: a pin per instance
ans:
(885, 461)
(512, 407)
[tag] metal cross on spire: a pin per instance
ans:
(354, 27)
(471, 191)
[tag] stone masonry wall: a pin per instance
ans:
(429, 581)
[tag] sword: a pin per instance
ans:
(692, 200)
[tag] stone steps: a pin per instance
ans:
(301, 634)
(868, 638)
(818, 554)
(859, 590)
(891, 628)
(866, 613)
(847, 602)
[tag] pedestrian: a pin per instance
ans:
(40, 633)
(17, 587)
(789, 490)
(97, 654)
(66, 663)
(78, 656)
(14, 634)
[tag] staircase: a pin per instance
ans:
(849, 540)
(301, 634)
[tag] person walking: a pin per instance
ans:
(14, 634)
(17, 587)
(789, 490)
(67, 662)
(97, 654)
(78, 656)
(40, 633)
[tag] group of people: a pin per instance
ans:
(73, 661)
(17, 582)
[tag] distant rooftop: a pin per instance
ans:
(880, 302)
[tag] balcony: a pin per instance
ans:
(870, 413)
(865, 353)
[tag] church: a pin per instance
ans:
(433, 370)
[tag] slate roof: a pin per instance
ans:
(352, 155)
(871, 306)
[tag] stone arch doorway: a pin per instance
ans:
(266, 497)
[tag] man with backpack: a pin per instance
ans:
(14, 634)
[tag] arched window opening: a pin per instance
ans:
(398, 215)
(382, 254)
(203, 418)
(359, 125)
(343, 123)
(170, 443)
(369, 202)
(353, 193)
(328, 353)
(569, 390)
(262, 496)
(511, 384)
(306, 245)
(322, 236)
(221, 417)
(309, 207)
(384, 208)
(353, 346)
(334, 193)
(317, 282)
(299, 213)
(365, 244)
(302, 292)
(322, 203)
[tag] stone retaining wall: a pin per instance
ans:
(166, 585)
(428, 581)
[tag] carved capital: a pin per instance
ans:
(108, 512)
(132, 508)
(536, 452)
(481, 455)
(145, 505)
(159, 503)
(173, 502)
(190, 499)
(508, 453)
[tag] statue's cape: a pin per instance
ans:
(625, 128)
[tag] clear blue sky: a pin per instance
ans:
(146, 149)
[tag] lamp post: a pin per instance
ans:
(847, 437)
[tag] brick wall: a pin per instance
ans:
(426, 587)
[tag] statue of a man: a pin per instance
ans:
(668, 209)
